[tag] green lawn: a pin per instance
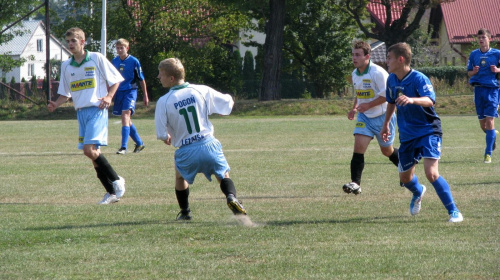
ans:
(289, 173)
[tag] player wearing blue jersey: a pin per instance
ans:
(420, 132)
(482, 69)
(85, 78)
(126, 95)
(181, 120)
(369, 82)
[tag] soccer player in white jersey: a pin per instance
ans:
(369, 81)
(181, 120)
(85, 77)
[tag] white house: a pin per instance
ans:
(31, 46)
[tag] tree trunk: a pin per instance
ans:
(270, 86)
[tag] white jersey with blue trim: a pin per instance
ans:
(183, 113)
(86, 82)
(370, 85)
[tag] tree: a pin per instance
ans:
(248, 73)
(394, 30)
(318, 38)
(270, 87)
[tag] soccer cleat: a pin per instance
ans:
(119, 187)
(235, 205)
(495, 143)
(121, 151)
(487, 158)
(416, 202)
(108, 199)
(138, 148)
(184, 215)
(456, 217)
(352, 188)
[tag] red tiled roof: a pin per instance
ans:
(463, 18)
(377, 10)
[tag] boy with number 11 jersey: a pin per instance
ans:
(181, 120)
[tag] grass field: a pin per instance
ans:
(288, 172)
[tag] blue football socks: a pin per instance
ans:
(414, 186)
(125, 135)
(135, 135)
(490, 139)
(444, 193)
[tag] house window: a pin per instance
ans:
(445, 61)
(453, 61)
(31, 69)
(39, 45)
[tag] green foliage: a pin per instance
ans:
(447, 73)
(12, 80)
(318, 39)
(250, 83)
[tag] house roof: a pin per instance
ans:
(378, 54)
(377, 11)
(17, 45)
(463, 18)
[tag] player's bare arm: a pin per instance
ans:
(385, 132)
(54, 104)
(366, 106)
(352, 113)
(473, 71)
(106, 100)
(144, 92)
(404, 100)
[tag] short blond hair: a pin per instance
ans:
(122, 42)
(401, 50)
(173, 67)
(76, 32)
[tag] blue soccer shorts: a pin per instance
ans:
(92, 127)
(204, 156)
(486, 101)
(371, 127)
(411, 152)
(124, 100)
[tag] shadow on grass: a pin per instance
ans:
(389, 219)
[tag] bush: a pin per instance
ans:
(446, 73)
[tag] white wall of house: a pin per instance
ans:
(249, 36)
(34, 53)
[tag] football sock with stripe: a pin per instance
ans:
(125, 135)
(444, 193)
(227, 187)
(135, 135)
(108, 171)
(108, 185)
(357, 166)
(183, 199)
(394, 157)
(414, 186)
(490, 139)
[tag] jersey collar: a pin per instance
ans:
(366, 69)
(184, 85)
(76, 64)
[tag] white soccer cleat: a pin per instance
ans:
(416, 202)
(456, 217)
(108, 199)
(119, 187)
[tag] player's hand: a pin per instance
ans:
(351, 114)
(146, 100)
(168, 141)
(105, 102)
(494, 69)
(51, 106)
(475, 69)
(404, 100)
(385, 133)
